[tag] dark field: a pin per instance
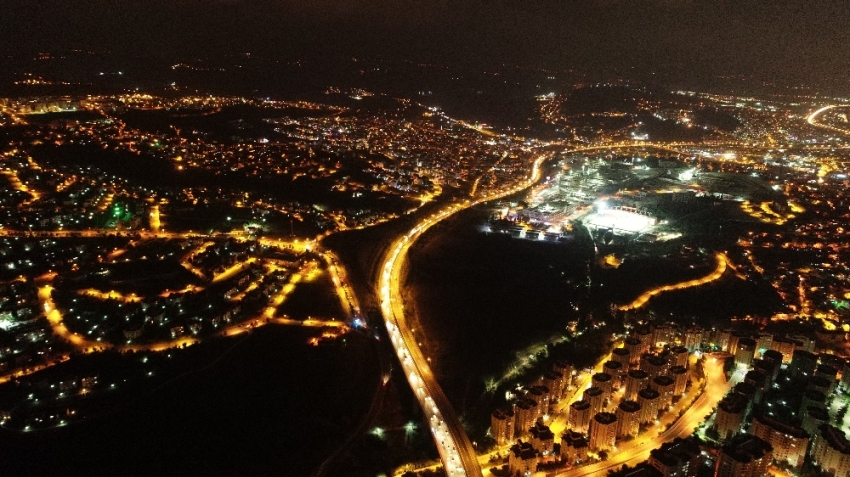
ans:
(635, 276)
(223, 124)
(314, 298)
(494, 310)
(718, 301)
(268, 405)
(482, 298)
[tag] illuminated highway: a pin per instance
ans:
(812, 119)
(637, 451)
(456, 450)
(722, 263)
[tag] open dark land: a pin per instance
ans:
(258, 404)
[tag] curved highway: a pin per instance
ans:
(812, 118)
(722, 263)
(456, 450)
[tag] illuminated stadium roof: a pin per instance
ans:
(625, 219)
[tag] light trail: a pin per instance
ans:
(110, 295)
(811, 119)
(769, 216)
(722, 263)
(54, 316)
(455, 449)
(154, 220)
(186, 261)
(16, 184)
(233, 270)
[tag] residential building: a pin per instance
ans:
(542, 439)
(542, 396)
(763, 342)
(803, 363)
(636, 379)
(757, 380)
(596, 398)
(622, 356)
(604, 381)
(789, 442)
(615, 370)
(721, 339)
(813, 417)
(648, 400)
(654, 365)
(775, 357)
(566, 370)
(574, 447)
(783, 345)
(662, 334)
(628, 419)
(827, 371)
(502, 426)
(522, 459)
(745, 353)
(526, 415)
(730, 415)
(679, 356)
(645, 337)
(831, 450)
(770, 370)
(580, 416)
(744, 456)
(678, 458)
(603, 431)
(635, 348)
(680, 379)
(554, 381)
(813, 397)
(693, 338)
(665, 386)
(822, 384)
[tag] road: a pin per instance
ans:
(637, 451)
(349, 301)
(722, 263)
(456, 450)
(812, 119)
(85, 345)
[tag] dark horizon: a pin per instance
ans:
(791, 42)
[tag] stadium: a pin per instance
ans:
(620, 219)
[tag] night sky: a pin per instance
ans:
(796, 40)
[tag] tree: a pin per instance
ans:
(839, 416)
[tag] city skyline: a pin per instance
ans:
(424, 239)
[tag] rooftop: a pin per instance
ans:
(746, 448)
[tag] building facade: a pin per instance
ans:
(744, 456)
(789, 442)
